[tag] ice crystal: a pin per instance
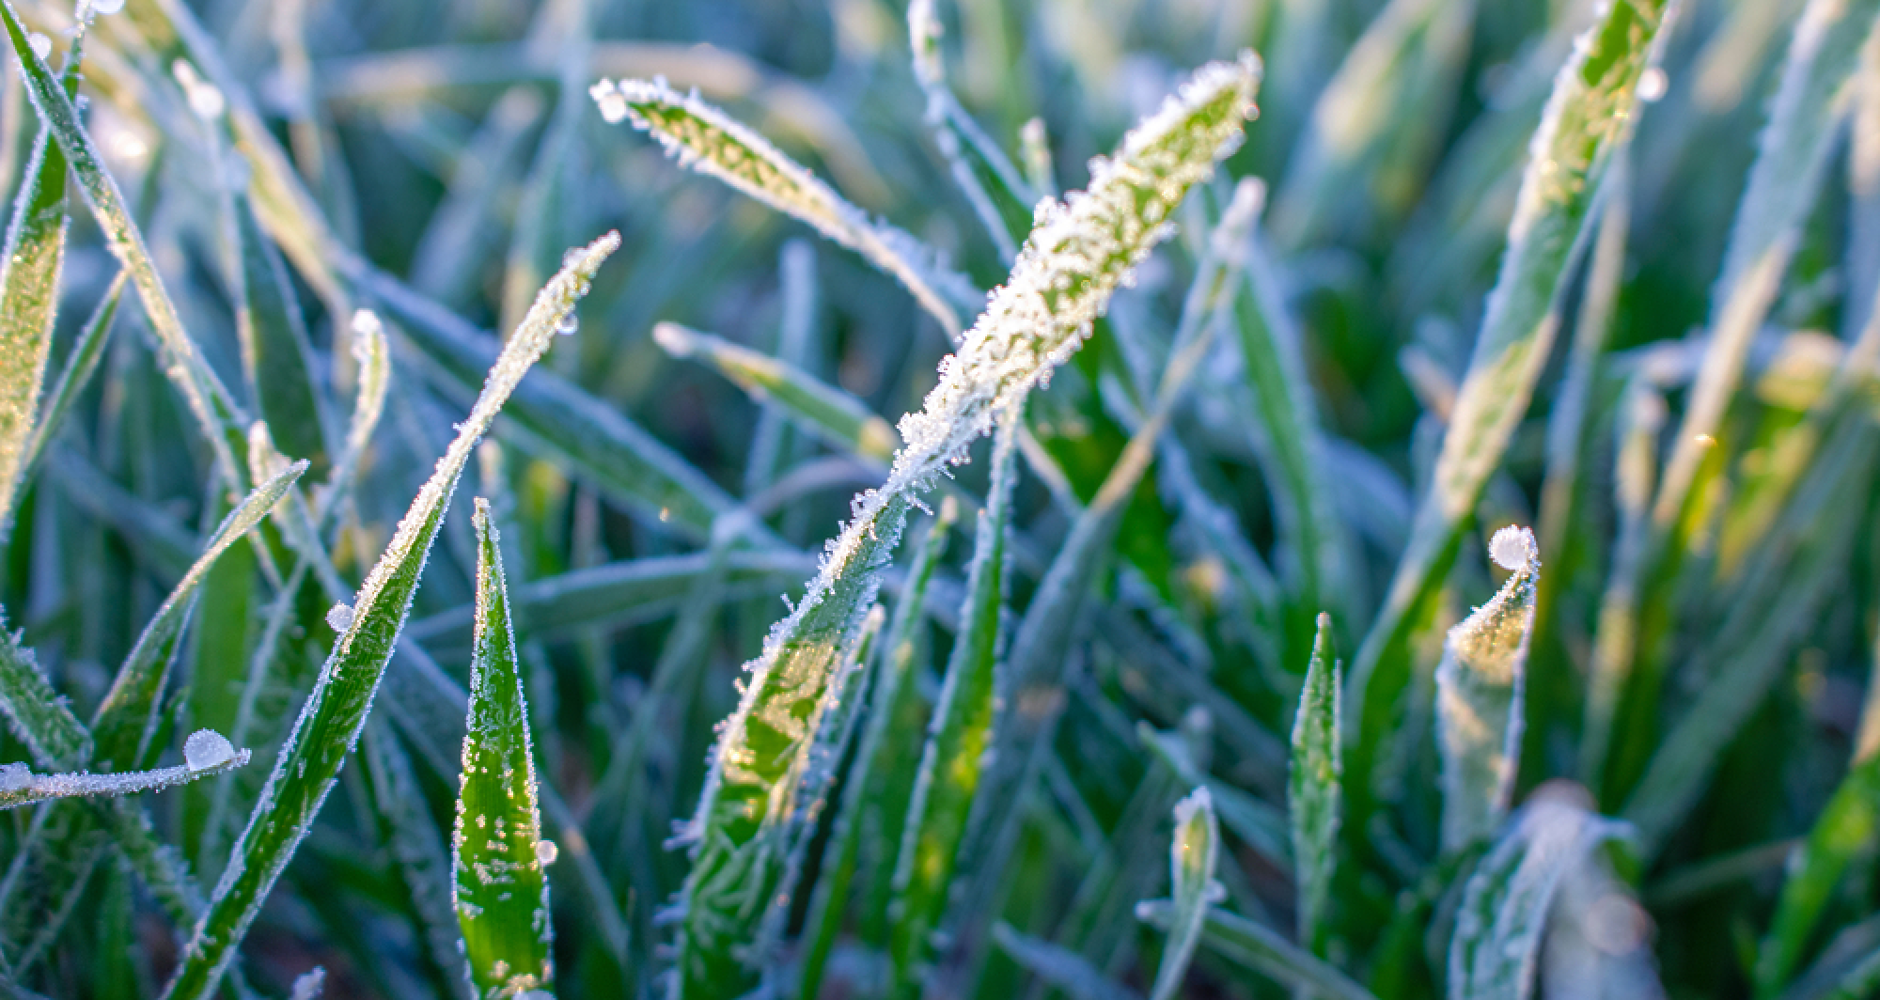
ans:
(207, 748)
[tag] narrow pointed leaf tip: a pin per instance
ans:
(1479, 694)
(704, 138)
(1193, 855)
(500, 859)
(1080, 250)
(1314, 793)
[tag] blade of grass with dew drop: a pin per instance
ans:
(1313, 793)
(1479, 688)
(880, 781)
(1192, 858)
(29, 293)
(985, 175)
(499, 856)
(960, 733)
(20, 785)
(705, 139)
(412, 836)
(276, 356)
(218, 657)
(1588, 117)
(335, 712)
(1071, 265)
(220, 420)
(830, 413)
(1497, 941)
(80, 366)
(1794, 150)
(1845, 829)
(1263, 950)
(553, 418)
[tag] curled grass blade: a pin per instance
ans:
(1314, 795)
(1479, 688)
(499, 856)
(707, 140)
(335, 712)
(960, 734)
(1076, 258)
(828, 412)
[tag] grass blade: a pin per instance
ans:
(1263, 950)
(1497, 941)
(276, 356)
(1059, 966)
(960, 734)
(75, 376)
(39, 716)
(1073, 262)
(705, 139)
(1192, 857)
(824, 410)
(20, 786)
(1479, 687)
(1314, 796)
(1588, 117)
(499, 856)
(330, 723)
(1845, 830)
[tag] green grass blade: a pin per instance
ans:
(80, 366)
(416, 843)
(330, 723)
(29, 302)
(38, 715)
(1263, 950)
(1497, 940)
(830, 413)
(960, 734)
(208, 400)
(879, 783)
(1059, 966)
(499, 856)
(773, 444)
(276, 355)
(1192, 858)
(1314, 796)
(126, 719)
(707, 140)
(1843, 832)
(1588, 117)
(1078, 256)
(20, 786)
(1479, 687)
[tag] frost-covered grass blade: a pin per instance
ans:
(20, 785)
(1192, 858)
(1314, 795)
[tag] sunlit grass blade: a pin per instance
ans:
(1076, 258)
(1845, 829)
(707, 140)
(880, 782)
(1588, 117)
(20, 785)
(1479, 687)
(276, 356)
(330, 722)
(499, 856)
(1192, 857)
(1497, 941)
(1313, 797)
(1262, 950)
(209, 402)
(960, 734)
(828, 412)
(29, 301)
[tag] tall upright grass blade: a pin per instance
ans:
(1192, 857)
(418, 847)
(499, 855)
(880, 782)
(1075, 259)
(1263, 950)
(1497, 942)
(960, 734)
(335, 712)
(705, 139)
(1313, 794)
(1479, 688)
(1588, 118)
(824, 410)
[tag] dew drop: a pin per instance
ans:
(40, 44)
(207, 748)
(15, 777)
(568, 325)
(546, 852)
(1512, 547)
(339, 617)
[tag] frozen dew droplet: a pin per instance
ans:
(1653, 84)
(339, 617)
(612, 102)
(546, 852)
(567, 326)
(204, 99)
(15, 777)
(309, 985)
(207, 748)
(105, 6)
(40, 44)
(1512, 547)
